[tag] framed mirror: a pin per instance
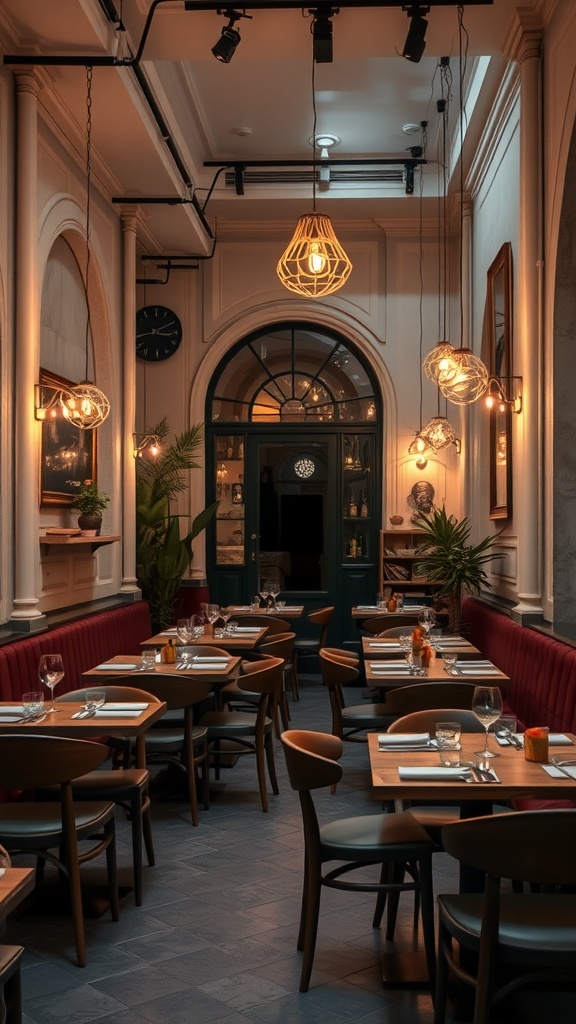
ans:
(499, 315)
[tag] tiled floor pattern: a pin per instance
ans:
(215, 938)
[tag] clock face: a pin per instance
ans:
(158, 333)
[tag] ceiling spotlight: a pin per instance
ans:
(225, 48)
(416, 39)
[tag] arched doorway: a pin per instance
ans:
(293, 432)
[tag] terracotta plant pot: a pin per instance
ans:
(90, 521)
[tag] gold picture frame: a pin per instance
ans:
(499, 315)
(67, 454)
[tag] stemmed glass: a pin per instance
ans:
(50, 672)
(212, 613)
(487, 706)
(273, 590)
(264, 592)
(225, 614)
(427, 618)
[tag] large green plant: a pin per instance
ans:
(451, 561)
(162, 554)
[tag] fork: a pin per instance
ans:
(560, 766)
(482, 774)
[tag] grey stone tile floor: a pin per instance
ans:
(215, 938)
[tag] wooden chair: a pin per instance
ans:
(127, 787)
(396, 630)
(339, 670)
(521, 939)
(422, 696)
(280, 645)
(251, 733)
(377, 623)
(41, 827)
(395, 842)
(306, 647)
(177, 740)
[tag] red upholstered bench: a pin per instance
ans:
(82, 644)
(542, 673)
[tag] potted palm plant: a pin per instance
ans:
(448, 559)
(90, 502)
(163, 553)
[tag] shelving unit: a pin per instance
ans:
(357, 498)
(398, 558)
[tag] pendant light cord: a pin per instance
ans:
(314, 122)
(89, 71)
(421, 265)
(462, 58)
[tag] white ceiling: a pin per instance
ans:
(257, 107)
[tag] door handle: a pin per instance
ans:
(254, 537)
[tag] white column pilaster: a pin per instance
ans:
(527, 445)
(27, 358)
(129, 229)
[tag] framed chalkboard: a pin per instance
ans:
(67, 456)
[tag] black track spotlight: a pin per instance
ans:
(225, 48)
(416, 39)
(322, 33)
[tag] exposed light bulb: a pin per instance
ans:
(316, 259)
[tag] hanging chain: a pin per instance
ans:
(89, 71)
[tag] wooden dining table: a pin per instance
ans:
(63, 723)
(518, 777)
(235, 642)
(119, 670)
(289, 611)
(388, 674)
(389, 647)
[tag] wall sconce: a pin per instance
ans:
(504, 392)
(145, 442)
(47, 402)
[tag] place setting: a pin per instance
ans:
(96, 706)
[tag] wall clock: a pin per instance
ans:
(158, 333)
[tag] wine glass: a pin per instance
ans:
(273, 590)
(427, 618)
(184, 630)
(50, 672)
(225, 614)
(264, 592)
(487, 706)
(212, 613)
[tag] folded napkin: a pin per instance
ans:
(381, 666)
(169, 632)
(433, 773)
(400, 739)
(390, 646)
(450, 644)
(367, 607)
(479, 663)
(207, 664)
(248, 629)
(289, 608)
(478, 671)
(111, 706)
(108, 667)
(559, 773)
(12, 709)
(105, 713)
(555, 739)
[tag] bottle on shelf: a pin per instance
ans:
(391, 606)
(353, 547)
(353, 508)
(364, 507)
(359, 546)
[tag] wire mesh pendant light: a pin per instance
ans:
(438, 433)
(314, 264)
(83, 404)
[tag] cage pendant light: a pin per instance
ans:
(85, 405)
(314, 264)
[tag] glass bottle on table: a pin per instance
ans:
(50, 673)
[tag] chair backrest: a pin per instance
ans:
(397, 630)
(30, 761)
(114, 692)
(311, 759)
(423, 696)
(274, 625)
(351, 656)
(280, 645)
(425, 721)
(266, 679)
(528, 846)
(196, 650)
(177, 691)
(337, 670)
(387, 620)
(322, 617)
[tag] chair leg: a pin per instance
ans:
(269, 745)
(136, 817)
(442, 975)
(112, 870)
(312, 913)
(261, 774)
(427, 909)
(147, 832)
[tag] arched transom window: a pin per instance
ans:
(291, 373)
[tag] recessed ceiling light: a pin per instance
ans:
(411, 128)
(241, 132)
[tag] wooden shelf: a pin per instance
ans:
(69, 542)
